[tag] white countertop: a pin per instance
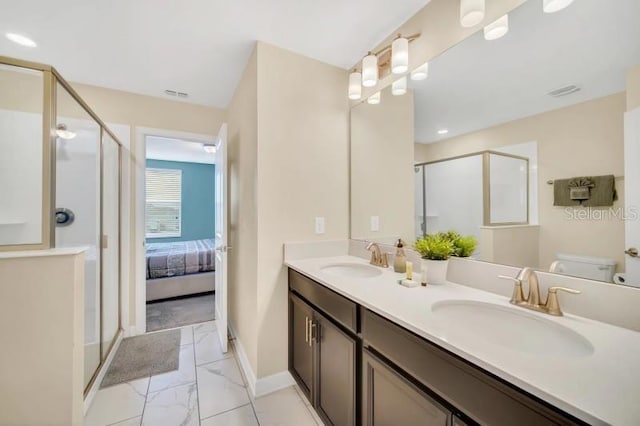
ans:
(600, 388)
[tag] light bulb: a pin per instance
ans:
(399, 87)
(355, 88)
(370, 70)
(551, 6)
(420, 73)
(400, 55)
(374, 99)
(471, 12)
(497, 28)
(64, 133)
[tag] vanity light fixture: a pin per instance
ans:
(471, 12)
(21, 40)
(370, 70)
(209, 149)
(497, 28)
(443, 131)
(64, 133)
(374, 99)
(399, 55)
(552, 6)
(399, 87)
(355, 85)
(420, 73)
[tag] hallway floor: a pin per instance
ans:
(208, 389)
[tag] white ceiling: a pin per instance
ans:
(480, 83)
(168, 149)
(196, 46)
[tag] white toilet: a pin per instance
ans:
(593, 268)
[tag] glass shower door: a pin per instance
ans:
(78, 209)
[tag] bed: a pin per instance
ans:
(180, 268)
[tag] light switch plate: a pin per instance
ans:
(320, 225)
(375, 223)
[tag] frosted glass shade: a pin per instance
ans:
(374, 99)
(471, 12)
(400, 55)
(551, 6)
(497, 28)
(355, 88)
(420, 73)
(399, 87)
(370, 70)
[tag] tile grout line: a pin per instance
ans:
(144, 406)
(124, 420)
(226, 411)
(195, 367)
(244, 380)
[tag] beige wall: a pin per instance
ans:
(584, 139)
(382, 178)
(288, 149)
(496, 245)
(41, 361)
(243, 210)
(303, 139)
(633, 88)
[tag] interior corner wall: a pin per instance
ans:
(597, 127)
(243, 211)
(303, 142)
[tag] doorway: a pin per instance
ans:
(175, 229)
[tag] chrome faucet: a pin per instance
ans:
(528, 275)
(377, 257)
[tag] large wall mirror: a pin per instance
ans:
(530, 142)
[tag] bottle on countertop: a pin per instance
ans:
(400, 258)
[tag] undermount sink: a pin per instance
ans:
(354, 270)
(508, 327)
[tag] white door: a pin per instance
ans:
(632, 195)
(221, 235)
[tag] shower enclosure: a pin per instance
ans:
(60, 186)
(468, 192)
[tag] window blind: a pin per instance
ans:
(163, 203)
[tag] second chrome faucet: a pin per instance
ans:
(529, 276)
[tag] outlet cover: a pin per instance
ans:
(320, 225)
(375, 223)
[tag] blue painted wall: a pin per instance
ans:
(197, 199)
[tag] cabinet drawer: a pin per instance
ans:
(337, 307)
(483, 398)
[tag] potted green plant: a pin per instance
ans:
(435, 250)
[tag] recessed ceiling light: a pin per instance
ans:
(21, 40)
(443, 131)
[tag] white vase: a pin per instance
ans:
(435, 271)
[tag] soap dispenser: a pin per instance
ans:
(400, 259)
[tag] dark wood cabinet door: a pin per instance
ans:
(336, 373)
(391, 400)
(300, 345)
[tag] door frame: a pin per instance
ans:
(140, 294)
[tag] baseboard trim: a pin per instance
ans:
(265, 385)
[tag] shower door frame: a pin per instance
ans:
(51, 77)
(486, 186)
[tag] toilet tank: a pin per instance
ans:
(592, 268)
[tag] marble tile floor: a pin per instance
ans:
(207, 390)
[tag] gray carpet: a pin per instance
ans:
(180, 312)
(144, 356)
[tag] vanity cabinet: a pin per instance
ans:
(390, 399)
(359, 368)
(322, 351)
